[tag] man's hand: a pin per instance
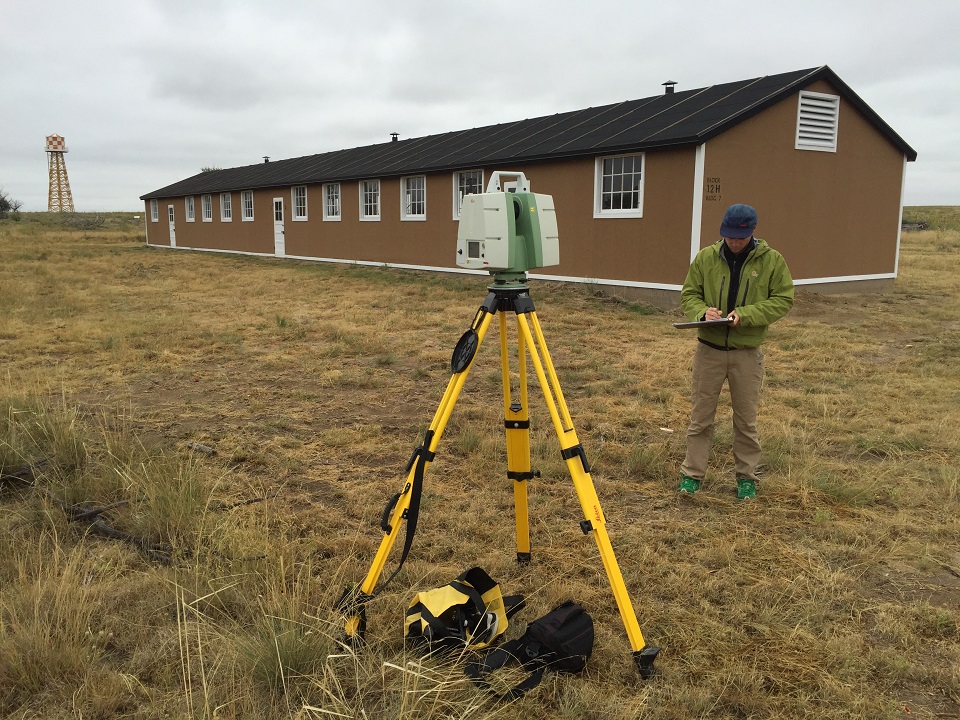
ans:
(713, 314)
(736, 318)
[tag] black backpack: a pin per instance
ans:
(561, 640)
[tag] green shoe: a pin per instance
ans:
(688, 485)
(746, 489)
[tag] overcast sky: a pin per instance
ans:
(148, 92)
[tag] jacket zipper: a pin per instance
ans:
(726, 337)
(746, 287)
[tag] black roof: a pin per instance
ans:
(683, 118)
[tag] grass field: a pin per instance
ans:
(241, 422)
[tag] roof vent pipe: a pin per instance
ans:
(668, 87)
(266, 158)
(394, 137)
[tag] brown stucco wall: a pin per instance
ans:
(830, 214)
(236, 235)
(388, 240)
(653, 249)
(157, 232)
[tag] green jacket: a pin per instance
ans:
(765, 295)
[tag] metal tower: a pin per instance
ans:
(59, 198)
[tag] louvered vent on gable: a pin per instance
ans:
(817, 118)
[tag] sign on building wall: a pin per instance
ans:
(711, 190)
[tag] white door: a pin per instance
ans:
(279, 247)
(173, 231)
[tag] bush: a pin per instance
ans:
(9, 207)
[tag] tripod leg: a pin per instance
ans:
(352, 603)
(579, 469)
(517, 425)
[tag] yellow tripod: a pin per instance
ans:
(503, 297)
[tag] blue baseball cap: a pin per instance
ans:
(739, 221)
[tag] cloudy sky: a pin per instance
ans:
(147, 92)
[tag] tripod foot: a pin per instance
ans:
(523, 558)
(644, 659)
(353, 605)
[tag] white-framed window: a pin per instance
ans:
(226, 207)
(246, 198)
(468, 182)
(154, 211)
(369, 199)
(818, 117)
(206, 207)
(413, 198)
(618, 186)
(299, 202)
(331, 201)
(188, 203)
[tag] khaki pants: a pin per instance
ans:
(743, 372)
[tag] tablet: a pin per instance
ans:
(703, 323)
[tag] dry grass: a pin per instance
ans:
(836, 595)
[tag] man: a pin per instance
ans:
(745, 281)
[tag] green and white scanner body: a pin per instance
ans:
(508, 232)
